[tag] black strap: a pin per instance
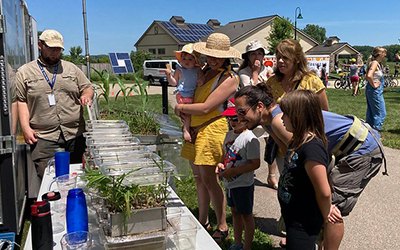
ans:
(297, 84)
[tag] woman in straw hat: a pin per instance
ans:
(205, 150)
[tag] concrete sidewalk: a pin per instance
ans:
(373, 224)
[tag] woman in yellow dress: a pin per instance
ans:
(205, 150)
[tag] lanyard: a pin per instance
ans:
(46, 77)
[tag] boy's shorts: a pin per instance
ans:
(183, 100)
(241, 198)
(350, 176)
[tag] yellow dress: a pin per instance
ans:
(207, 149)
(310, 82)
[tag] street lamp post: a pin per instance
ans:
(295, 21)
(87, 57)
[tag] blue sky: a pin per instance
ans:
(116, 25)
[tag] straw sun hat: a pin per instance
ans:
(218, 45)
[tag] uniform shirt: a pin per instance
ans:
(66, 115)
(310, 82)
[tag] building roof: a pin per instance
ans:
(324, 49)
(236, 30)
(183, 33)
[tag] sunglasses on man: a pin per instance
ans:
(233, 118)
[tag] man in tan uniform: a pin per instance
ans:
(50, 94)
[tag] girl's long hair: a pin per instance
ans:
(375, 53)
(292, 49)
(303, 108)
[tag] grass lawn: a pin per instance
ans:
(341, 102)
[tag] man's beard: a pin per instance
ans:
(50, 60)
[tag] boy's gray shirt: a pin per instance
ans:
(239, 149)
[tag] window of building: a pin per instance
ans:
(153, 51)
(161, 51)
(156, 30)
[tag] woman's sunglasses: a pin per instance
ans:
(233, 118)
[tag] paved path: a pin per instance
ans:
(373, 224)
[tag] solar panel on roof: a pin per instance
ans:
(193, 34)
(121, 63)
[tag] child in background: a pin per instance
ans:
(186, 77)
(304, 192)
(242, 157)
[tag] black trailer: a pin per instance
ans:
(18, 45)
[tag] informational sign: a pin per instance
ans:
(121, 63)
(313, 61)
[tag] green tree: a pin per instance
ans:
(365, 50)
(391, 52)
(75, 52)
(282, 28)
(316, 32)
(138, 57)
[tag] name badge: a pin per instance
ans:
(52, 99)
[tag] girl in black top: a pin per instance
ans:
(304, 193)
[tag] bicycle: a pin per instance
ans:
(390, 81)
(343, 82)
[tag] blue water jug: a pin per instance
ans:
(77, 214)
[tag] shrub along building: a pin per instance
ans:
(162, 38)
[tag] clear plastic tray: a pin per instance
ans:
(105, 121)
(102, 134)
(111, 140)
(185, 228)
(109, 130)
(136, 163)
(119, 148)
(106, 124)
(127, 158)
(110, 145)
(144, 174)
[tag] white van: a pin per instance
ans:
(151, 69)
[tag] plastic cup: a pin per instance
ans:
(80, 240)
(62, 163)
(57, 209)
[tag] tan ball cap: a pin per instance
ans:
(52, 38)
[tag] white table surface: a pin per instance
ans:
(203, 239)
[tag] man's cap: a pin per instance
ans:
(52, 38)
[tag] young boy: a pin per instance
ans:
(241, 158)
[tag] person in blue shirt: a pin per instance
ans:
(356, 158)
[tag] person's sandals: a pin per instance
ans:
(282, 243)
(270, 184)
(222, 235)
(235, 247)
(207, 226)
